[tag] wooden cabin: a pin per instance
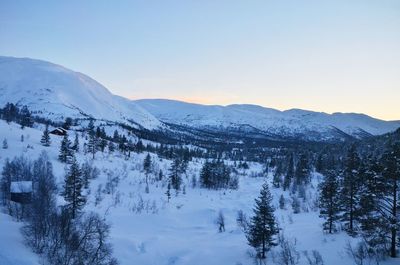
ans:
(59, 131)
(21, 191)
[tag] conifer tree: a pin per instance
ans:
(147, 164)
(111, 147)
(350, 188)
(66, 153)
(73, 189)
(282, 202)
(174, 175)
(90, 127)
(45, 141)
(389, 204)
(302, 172)
(289, 174)
(329, 201)
(5, 144)
(75, 147)
(147, 169)
(25, 117)
(92, 145)
(205, 175)
(373, 188)
(262, 228)
(168, 192)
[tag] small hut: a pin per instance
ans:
(21, 191)
(59, 131)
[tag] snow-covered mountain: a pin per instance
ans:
(56, 92)
(290, 123)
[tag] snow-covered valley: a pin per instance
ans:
(147, 229)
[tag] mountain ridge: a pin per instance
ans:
(56, 92)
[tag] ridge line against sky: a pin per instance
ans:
(328, 56)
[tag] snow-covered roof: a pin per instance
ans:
(60, 130)
(21, 186)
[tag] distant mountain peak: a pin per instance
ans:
(57, 92)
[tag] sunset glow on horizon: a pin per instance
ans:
(328, 56)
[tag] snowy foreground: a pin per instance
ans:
(146, 229)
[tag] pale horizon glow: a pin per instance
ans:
(326, 56)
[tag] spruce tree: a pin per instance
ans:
(262, 228)
(372, 225)
(289, 174)
(92, 145)
(205, 175)
(75, 146)
(73, 189)
(147, 169)
(350, 188)
(147, 164)
(389, 204)
(329, 201)
(90, 128)
(302, 172)
(25, 117)
(111, 147)
(66, 152)
(5, 144)
(168, 192)
(45, 141)
(174, 175)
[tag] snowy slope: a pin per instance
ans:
(12, 242)
(180, 232)
(292, 122)
(56, 92)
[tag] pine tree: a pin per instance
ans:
(111, 147)
(160, 175)
(65, 153)
(147, 169)
(262, 228)
(350, 188)
(25, 117)
(389, 204)
(67, 123)
(329, 201)
(372, 225)
(73, 189)
(174, 175)
(147, 164)
(92, 145)
(45, 141)
(75, 147)
(90, 128)
(205, 175)
(282, 202)
(5, 144)
(289, 174)
(302, 172)
(168, 192)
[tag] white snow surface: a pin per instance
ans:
(181, 232)
(289, 122)
(55, 92)
(21, 186)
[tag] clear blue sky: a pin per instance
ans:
(320, 55)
